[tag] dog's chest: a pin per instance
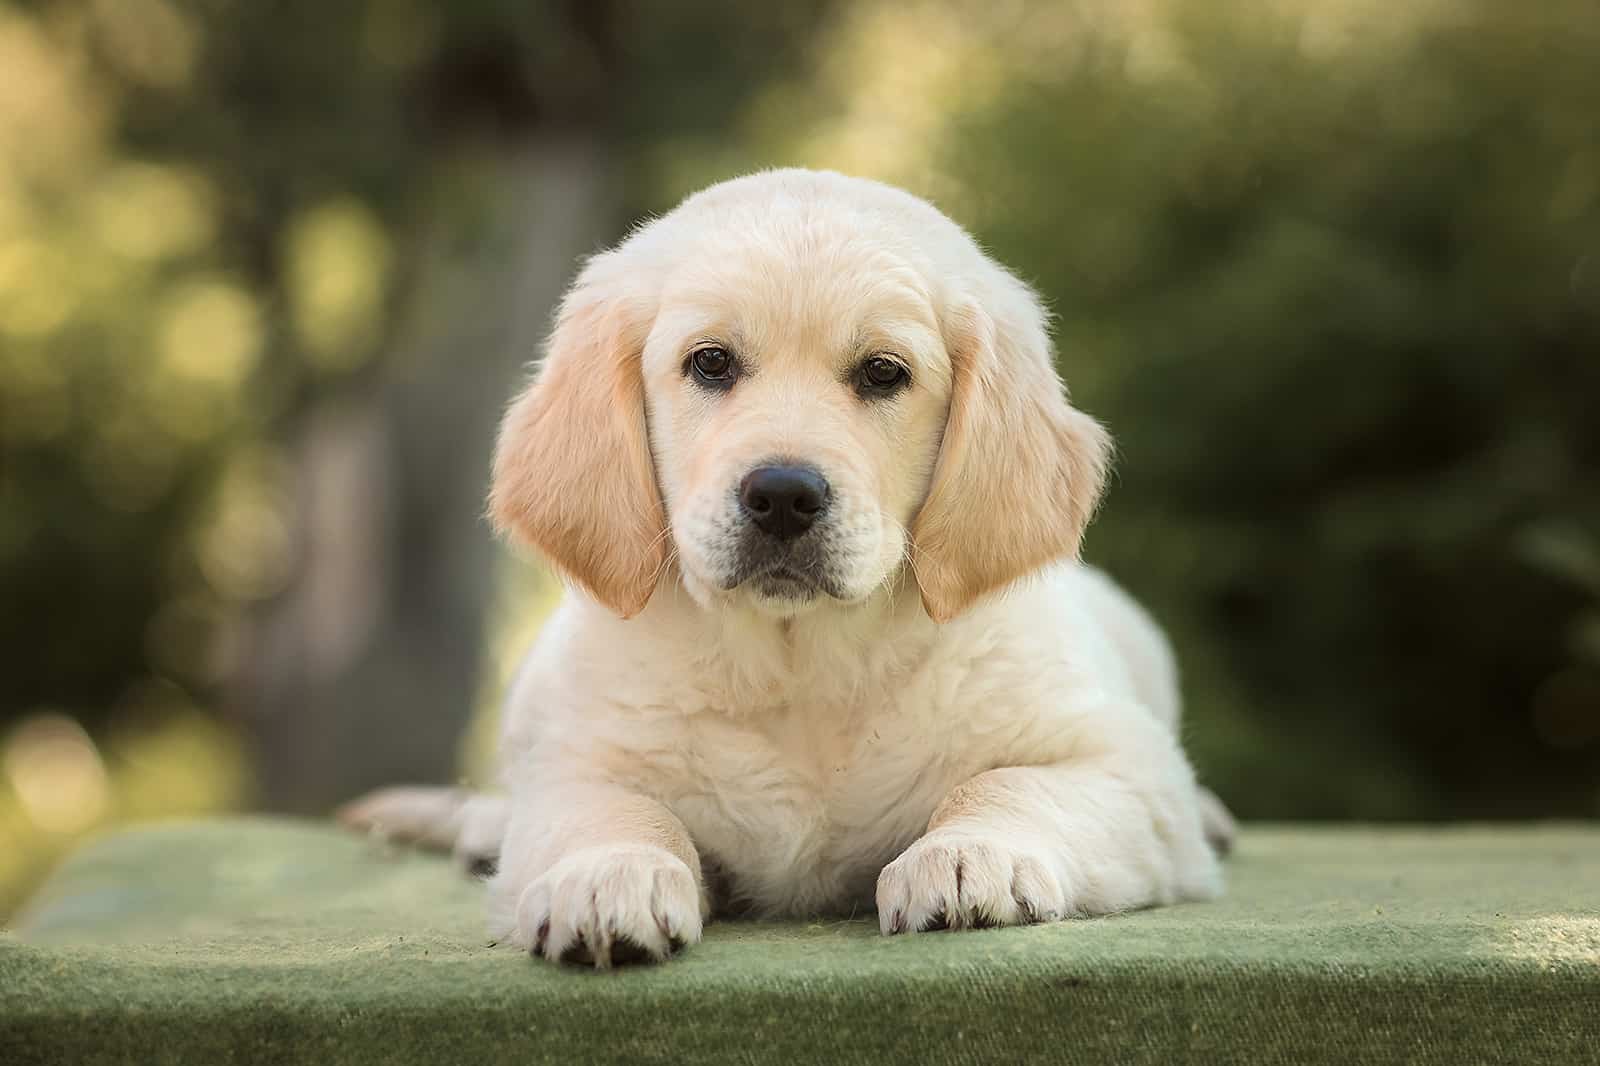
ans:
(799, 809)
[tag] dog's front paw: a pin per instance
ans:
(611, 904)
(958, 880)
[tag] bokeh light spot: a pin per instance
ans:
(338, 266)
(36, 290)
(212, 333)
(56, 773)
(150, 42)
(50, 119)
(149, 212)
(244, 550)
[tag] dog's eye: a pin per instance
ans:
(878, 376)
(713, 366)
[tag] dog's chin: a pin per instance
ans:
(783, 593)
(776, 592)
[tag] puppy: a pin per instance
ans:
(801, 453)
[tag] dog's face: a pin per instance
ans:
(784, 392)
(796, 385)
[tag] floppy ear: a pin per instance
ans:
(572, 470)
(1019, 471)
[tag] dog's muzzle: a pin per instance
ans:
(782, 546)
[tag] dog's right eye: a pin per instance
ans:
(713, 367)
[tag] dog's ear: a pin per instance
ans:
(573, 475)
(1019, 471)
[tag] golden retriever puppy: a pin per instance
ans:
(801, 453)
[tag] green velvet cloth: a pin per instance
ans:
(256, 940)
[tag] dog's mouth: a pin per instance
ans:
(785, 583)
(785, 580)
(794, 572)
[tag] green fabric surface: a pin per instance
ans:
(258, 940)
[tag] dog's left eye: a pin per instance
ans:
(879, 376)
(713, 367)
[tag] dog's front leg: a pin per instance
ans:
(595, 873)
(1114, 828)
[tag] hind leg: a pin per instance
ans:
(470, 825)
(1218, 823)
(483, 830)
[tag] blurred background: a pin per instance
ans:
(1330, 269)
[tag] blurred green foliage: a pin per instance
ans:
(1330, 269)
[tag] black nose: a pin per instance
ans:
(783, 500)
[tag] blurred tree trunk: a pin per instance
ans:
(366, 670)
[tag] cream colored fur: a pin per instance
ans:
(970, 728)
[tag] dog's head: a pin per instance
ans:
(787, 389)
